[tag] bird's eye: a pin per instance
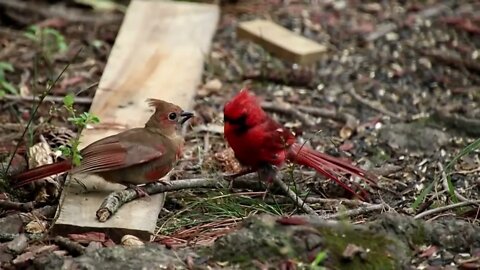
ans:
(172, 116)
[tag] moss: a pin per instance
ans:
(380, 251)
(258, 240)
(265, 240)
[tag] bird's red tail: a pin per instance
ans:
(327, 165)
(40, 173)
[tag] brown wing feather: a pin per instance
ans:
(117, 152)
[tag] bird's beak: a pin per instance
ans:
(184, 116)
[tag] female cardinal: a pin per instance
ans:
(135, 156)
(260, 142)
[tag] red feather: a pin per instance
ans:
(41, 172)
(257, 139)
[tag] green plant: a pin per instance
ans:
(315, 265)
(465, 151)
(49, 40)
(6, 86)
(35, 108)
(80, 121)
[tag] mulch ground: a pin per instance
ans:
(398, 92)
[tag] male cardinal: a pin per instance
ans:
(260, 142)
(135, 156)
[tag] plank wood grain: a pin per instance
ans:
(281, 42)
(158, 53)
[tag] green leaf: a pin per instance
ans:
(6, 66)
(95, 119)
(2, 94)
(68, 100)
(321, 256)
(451, 189)
(423, 194)
(9, 87)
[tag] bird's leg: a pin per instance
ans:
(232, 177)
(267, 173)
(140, 191)
(163, 182)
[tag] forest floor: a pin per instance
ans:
(397, 93)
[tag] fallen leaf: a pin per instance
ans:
(36, 226)
(85, 238)
(346, 146)
(131, 241)
(292, 221)
(429, 251)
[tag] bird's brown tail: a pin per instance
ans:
(327, 165)
(41, 172)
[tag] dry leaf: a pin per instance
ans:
(36, 226)
(131, 241)
(85, 238)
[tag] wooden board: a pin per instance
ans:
(158, 53)
(281, 42)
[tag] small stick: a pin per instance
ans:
(358, 211)
(326, 113)
(445, 208)
(56, 99)
(22, 207)
(289, 192)
(73, 247)
(115, 200)
(288, 109)
(373, 105)
(424, 14)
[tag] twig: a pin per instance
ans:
(22, 207)
(73, 247)
(57, 99)
(292, 195)
(325, 113)
(358, 211)
(115, 200)
(445, 208)
(467, 125)
(373, 105)
(288, 109)
(336, 201)
(451, 60)
(424, 14)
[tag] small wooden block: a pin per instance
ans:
(158, 53)
(281, 42)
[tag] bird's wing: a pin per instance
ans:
(277, 136)
(120, 151)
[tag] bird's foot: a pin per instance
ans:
(140, 191)
(165, 183)
(233, 176)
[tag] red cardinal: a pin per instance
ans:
(259, 141)
(133, 157)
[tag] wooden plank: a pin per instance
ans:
(281, 42)
(158, 53)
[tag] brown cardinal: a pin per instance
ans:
(260, 143)
(135, 156)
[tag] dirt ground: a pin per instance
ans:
(397, 93)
